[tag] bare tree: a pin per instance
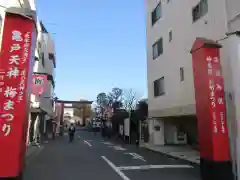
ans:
(130, 100)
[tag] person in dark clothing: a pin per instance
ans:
(71, 132)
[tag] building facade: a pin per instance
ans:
(14, 3)
(172, 28)
(43, 106)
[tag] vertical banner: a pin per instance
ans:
(210, 104)
(126, 127)
(62, 119)
(211, 111)
(217, 108)
(16, 63)
(39, 83)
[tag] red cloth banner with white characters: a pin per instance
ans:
(39, 83)
(16, 63)
(217, 107)
(210, 102)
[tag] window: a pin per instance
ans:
(170, 35)
(50, 78)
(157, 48)
(36, 58)
(43, 59)
(204, 7)
(39, 49)
(51, 56)
(159, 87)
(181, 74)
(157, 13)
(52, 103)
(200, 10)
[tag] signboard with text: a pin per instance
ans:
(217, 107)
(16, 61)
(39, 83)
(210, 104)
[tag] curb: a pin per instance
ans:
(30, 157)
(35, 150)
(173, 157)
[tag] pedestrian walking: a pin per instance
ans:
(109, 128)
(71, 132)
(94, 127)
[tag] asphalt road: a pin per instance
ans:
(90, 158)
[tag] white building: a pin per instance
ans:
(14, 3)
(43, 105)
(172, 27)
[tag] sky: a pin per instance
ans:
(100, 44)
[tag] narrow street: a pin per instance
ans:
(90, 157)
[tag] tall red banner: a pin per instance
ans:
(211, 111)
(217, 108)
(16, 64)
(210, 103)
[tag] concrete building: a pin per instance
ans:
(172, 27)
(14, 3)
(43, 106)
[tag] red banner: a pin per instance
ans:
(210, 104)
(39, 83)
(217, 106)
(16, 64)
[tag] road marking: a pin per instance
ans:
(146, 167)
(118, 148)
(115, 168)
(108, 143)
(88, 143)
(136, 156)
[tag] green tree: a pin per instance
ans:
(102, 102)
(115, 98)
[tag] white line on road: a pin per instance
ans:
(88, 143)
(145, 167)
(115, 168)
(108, 143)
(118, 148)
(136, 156)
